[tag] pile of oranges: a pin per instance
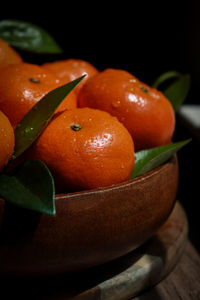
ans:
(91, 139)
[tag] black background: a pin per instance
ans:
(142, 37)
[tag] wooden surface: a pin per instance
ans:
(121, 279)
(182, 283)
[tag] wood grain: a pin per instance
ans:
(183, 283)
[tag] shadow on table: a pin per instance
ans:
(75, 285)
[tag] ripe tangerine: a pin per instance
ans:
(23, 85)
(85, 148)
(8, 55)
(70, 69)
(7, 140)
(144, 111)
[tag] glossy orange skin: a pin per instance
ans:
(23, 85)
(101, 153)
(71, 69)
(144, 111)
(7, 140)
(8, 55)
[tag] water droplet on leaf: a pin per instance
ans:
(28, 129)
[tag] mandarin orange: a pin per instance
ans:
(144, 111)
(71, 69)
(85, 148)
(7, 140)
(8, 55)
(23, 85)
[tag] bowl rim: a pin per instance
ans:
(116, 186)
(123, 184)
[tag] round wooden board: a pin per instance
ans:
(121, 279)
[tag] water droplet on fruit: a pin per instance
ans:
(133, 80)
(116, 103)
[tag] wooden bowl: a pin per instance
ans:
(90, 228)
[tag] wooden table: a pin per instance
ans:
(182, 283)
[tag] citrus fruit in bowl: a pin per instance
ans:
(101, 214)
(7, 140)
(85, 148)
(8, 55)
(107, 218)
(91, 227)
(145, 112)
(22, 85)
(70, 69)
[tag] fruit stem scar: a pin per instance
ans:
(35, 80)
(76, 127)
(144, 89)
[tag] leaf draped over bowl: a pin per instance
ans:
(28, 37)
(177, 90)
(147, 160)
(30, 186)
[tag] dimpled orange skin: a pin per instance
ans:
(23, 85)
(71, 69)
(8, 55)
(100, 153)
(7, 140)
(144, 111)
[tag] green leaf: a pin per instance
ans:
(147, 160)
(178, 91)
(165, 77)
(30, 186)
(39, 116)
(27, 36)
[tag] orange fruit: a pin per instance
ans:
(8, 55)
(71, 69)
(144, 111)
(23, 85)
(84, 149)
(7, 140)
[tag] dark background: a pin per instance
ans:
(144, 38)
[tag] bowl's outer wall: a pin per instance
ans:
(90, 228)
